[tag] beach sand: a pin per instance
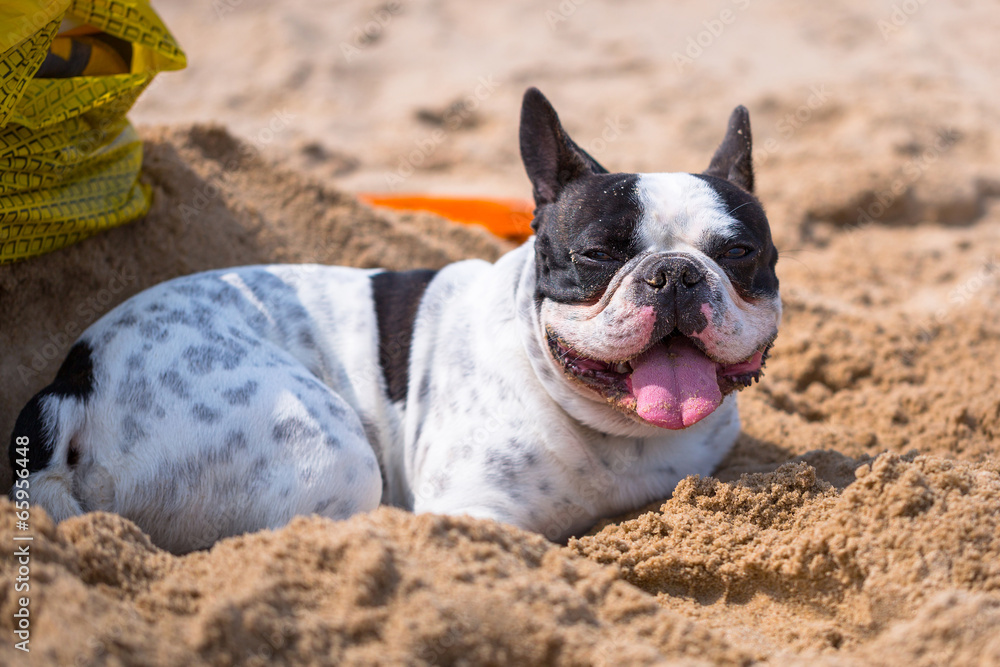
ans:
(857, 521)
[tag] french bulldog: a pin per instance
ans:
(580, 376)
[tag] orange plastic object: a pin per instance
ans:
(507, 218)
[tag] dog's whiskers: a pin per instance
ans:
(739, 207)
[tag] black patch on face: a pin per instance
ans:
(397, 297)
(586, 236)
(75, 379)
(585, 218)
(752, 275)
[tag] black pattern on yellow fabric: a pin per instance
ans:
(69, 159)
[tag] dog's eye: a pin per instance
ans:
(598, 256)
(737, 252)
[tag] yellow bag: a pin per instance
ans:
(69, 159)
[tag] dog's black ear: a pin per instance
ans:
(732, 160)
(550, 157)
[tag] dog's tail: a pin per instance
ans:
(43, 449)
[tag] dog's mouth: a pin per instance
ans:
(673, 384)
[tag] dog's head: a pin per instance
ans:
(656, 293)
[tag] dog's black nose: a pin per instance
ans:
(673, 271)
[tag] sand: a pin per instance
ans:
(856, 522)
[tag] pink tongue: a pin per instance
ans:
(674, 386)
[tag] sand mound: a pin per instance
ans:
(778, 565)
(383, 588)
(908, 529)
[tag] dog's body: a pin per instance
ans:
(582, 375)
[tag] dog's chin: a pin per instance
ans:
(672, 384)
